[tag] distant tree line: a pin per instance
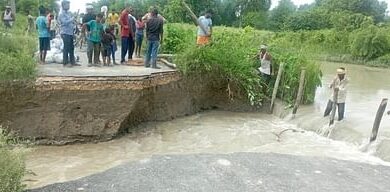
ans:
(321, 14)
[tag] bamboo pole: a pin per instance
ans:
(333, 114)
(300, 92)
(378, 119)
(276, 87)
(195, 18)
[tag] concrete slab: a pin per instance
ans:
(135, 69)
(234, 172)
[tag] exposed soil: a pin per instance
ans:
(61, 110)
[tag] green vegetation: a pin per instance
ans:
(16, 52)
(232, 58)
(12, 167)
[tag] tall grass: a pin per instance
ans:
(12, 166)
(17, 52)
(232, 58)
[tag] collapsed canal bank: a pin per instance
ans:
(61, 110)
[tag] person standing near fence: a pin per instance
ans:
(265, 64)
(67, 26)
(339, 84)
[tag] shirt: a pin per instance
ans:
(148, 16)
(87, 18)
(207, 23)
(124, 22)
(154, 28)
(342, 86)
(8, 16)
(132, 22)
(66, 23)
(42, 25)
(53, 25)
(113, 18)
(265, 64)
(96, 30)
(140, 27)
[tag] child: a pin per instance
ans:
(94, 36)
(113, 45)
(53, 27)
(44, 36)
(107, 41)
(139, 36)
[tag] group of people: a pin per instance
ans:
(101, 31)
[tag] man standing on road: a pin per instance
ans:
(67, 26)
(132, 22)
(125, 31)
(8, 17)
(205, 32)
(154, 35)
(89, 16)
(339, 85)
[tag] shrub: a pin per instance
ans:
(12, 167)
(177, 37)
(16, 52)
(369, 43)
(231, 57)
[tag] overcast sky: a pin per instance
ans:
(80, 4)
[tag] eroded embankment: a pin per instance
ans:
(59, 110)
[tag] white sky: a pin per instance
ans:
(80, 4)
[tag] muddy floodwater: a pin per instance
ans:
(228, 132)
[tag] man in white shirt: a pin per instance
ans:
(339, 85)
(205, 31)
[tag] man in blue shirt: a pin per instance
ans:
(67, 25)
(43, 33)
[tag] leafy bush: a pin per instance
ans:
(314, 19)
(229, 57)
(350, 21)
(294, 62)
(12, 167)
(369, 43)
(232, 57)
(177, 37)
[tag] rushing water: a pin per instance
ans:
(227, 132)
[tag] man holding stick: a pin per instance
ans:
(205, 31)
(339, 84)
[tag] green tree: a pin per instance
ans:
(281, 14)
(374, 8)
(309, 20)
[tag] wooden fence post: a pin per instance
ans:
(334, 105)
(300, 92)
(378, 119)
(276, 87)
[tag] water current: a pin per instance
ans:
(228, 132)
